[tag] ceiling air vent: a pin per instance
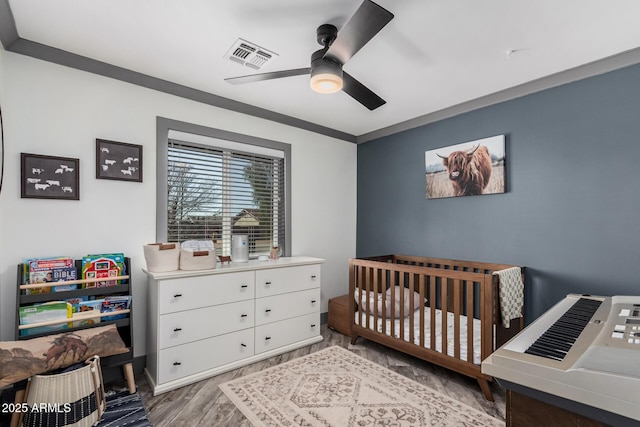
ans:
(250, 54)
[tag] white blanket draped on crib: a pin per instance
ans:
(438, 330)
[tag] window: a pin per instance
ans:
(219, 184)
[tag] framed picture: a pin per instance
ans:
(118, 160)
(48, 177)
(467, 169)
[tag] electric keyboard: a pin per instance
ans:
(585, 349)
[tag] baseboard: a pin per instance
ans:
(324, 317)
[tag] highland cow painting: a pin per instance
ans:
(467, 169)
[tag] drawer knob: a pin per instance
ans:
(268, 310)
(313, 326)
(267, 338)
(267, 283)
(177, 363)
(243, 315)
(177, 329)
(313, 301)
(177, 295)
(243, 345)
(244, 286)
(313, 277)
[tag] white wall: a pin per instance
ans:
(54, 110)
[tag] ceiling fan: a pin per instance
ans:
(326, 71)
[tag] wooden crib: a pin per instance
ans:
(421, 306)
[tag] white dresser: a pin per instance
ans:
(206, 322)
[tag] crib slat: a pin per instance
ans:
(362, 285)
(444, 298)
(371, 306)
(486, 326)
(400, 283)
(403, 290)
(412, 307)
(393, 279)
(357, 285)
(411, 290)
(456, 317)
(470, 311)
(432, 312)
(376, 289)
(365, 293)
(422, 305)
(383, 287)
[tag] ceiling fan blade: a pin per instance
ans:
(368, 20)
(361, 93)
(268, 76)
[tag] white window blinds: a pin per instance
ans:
(215, 192)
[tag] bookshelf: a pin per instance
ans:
(123, 325)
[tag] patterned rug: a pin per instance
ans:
(336, 388)
(124, 409)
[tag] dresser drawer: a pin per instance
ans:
(278, 334)
(282, 280)
(192, 325)
(201, 291)
(280, 307)
(198, 356)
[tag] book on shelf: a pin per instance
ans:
(87, 307)
(104, 305)
(75, 303)
(49, 270)
(46, 312)
(101, 266)
(87, 312)
(115, 304)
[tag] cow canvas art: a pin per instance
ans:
(467, 169)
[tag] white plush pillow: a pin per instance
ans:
(406, 301)
(362, 300)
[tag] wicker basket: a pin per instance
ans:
(162, 256)
(197, 260)
(74, 398)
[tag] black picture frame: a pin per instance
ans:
(49, 177)
(118, 160)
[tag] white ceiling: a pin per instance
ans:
(434, 54)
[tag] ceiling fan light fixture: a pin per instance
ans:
(326, 83)
(326, 75)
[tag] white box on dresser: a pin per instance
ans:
(206, 322)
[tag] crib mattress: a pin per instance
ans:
(377, 324)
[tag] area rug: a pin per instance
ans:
(124, 409)
(336, 388)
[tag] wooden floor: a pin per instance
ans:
(203, 404)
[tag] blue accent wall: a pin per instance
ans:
(571, 213)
